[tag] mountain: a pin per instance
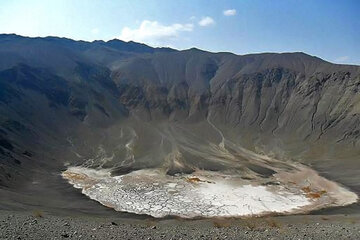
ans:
(126, 106)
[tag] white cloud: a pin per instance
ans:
(342, 59)
(153, 32)
(95, 31)
(229, 12)
(206, 21)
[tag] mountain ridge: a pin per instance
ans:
(147, 47)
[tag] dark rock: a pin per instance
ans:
(27, 153)
(6, 144)
(65, 235)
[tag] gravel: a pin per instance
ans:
(27, 225)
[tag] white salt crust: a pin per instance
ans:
(203, 194)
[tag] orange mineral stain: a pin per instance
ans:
(312, 194)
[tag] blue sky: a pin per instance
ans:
(329, 29)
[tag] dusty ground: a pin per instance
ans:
(39, 225)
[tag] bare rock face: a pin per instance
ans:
(127, 106)
(301, 98)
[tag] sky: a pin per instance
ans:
(329, 29)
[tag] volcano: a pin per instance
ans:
(163, 132)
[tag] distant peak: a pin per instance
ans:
(115, 40)
(98, 41)
(195, 49)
